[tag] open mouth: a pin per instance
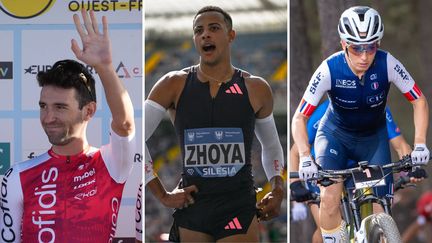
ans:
(208, 47)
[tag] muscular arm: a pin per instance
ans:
(261, 99)
(167, 90)
(398, 75)
(421, 119)
(162, 96)
(260, 96)
(400, 145)
(319, 83)
(96, 52)
(294, 160)
(299, 133)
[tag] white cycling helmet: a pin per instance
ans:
(360, 25)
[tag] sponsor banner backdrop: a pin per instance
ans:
(34, 35)
(60, 11)
(6, 71)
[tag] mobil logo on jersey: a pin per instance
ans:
(346, 83)
(213, 152)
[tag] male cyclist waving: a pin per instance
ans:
(357, 81)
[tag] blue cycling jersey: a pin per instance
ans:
(357, 104)
(313, 122)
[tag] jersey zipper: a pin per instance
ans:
(361, 87)
(212, 111)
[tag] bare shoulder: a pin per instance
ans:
(172, 79)
(257, 84)
(260, 94)
(168, 88)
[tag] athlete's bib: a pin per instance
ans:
(213, 152)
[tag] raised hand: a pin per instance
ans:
(96, 46)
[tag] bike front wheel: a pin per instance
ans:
(382, 228)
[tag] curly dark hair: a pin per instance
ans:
(70, 74)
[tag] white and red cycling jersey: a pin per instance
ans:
(55, 198)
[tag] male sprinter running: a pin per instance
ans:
(216, 109)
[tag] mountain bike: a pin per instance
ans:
(363, 225)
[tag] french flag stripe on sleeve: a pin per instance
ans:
(414, 93)
(306, 108)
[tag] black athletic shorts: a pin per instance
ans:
(218, 215)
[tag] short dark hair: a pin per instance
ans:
(227, 17)
(70, 74)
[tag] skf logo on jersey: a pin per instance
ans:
(346, 84)
(315, 82)
(4, 157)
(219, 135)
(401, 72)
(24, 9)
(374, 85)
(373, 76)
(6, 70)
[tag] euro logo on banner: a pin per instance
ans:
(4, 157)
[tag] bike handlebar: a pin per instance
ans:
(405, 164)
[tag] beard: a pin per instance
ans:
(58, 138)
(61, 133)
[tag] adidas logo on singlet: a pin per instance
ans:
(234, 89)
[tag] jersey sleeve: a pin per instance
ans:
(318, 85)
(398, 75)
(392, 128)
(118, 156)
(11, 206)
